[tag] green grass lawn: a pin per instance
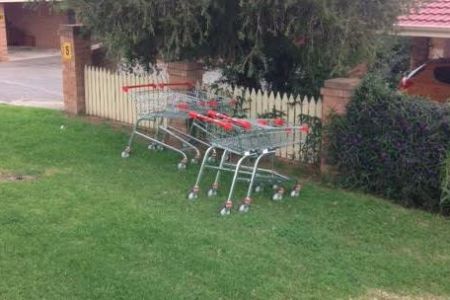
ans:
(86, 224)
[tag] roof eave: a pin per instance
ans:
(422, 31)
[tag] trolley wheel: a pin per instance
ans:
(278, 195)
(295, 192)
(225, 211)
(181, 166)
(126, 153)
(244, 208)
(194, 161)
(159, 147)
(275, 187)
(151, 146)
(212, 192)
(192, 195)
(258, 189)
(226, 208)
(211, 159)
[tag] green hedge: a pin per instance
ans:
(392, 145)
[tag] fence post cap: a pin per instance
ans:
(342, 83)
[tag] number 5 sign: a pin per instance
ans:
(67, 52)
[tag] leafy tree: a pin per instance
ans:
(291, 45)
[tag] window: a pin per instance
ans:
(442, 74)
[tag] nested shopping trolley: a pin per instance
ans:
(250, 141)
(159, 103)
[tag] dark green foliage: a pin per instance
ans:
(272, 114)
(445, 188)
(392, 145)
(310, 149)
(392, 59)
(290, 45)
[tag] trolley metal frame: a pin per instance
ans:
(248, 141)
(159, 102)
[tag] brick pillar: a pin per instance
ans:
(75, 55)
(336, 94)
(3, 38)
(185, 72)
(420, 51)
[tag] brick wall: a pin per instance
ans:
(39, 25)
(420, 51)
(3, 41)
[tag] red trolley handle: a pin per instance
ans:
(183, 106)
(126, 88)
(239, 122)
(210, 103)
(225, 125)
(278, 122)
(304, 128)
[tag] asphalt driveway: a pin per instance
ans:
(32, 82)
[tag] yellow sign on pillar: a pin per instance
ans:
(2, 17)
(67, 51)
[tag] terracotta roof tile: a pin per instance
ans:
(432, 14)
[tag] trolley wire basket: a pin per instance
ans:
(251, 141)
(162, 102)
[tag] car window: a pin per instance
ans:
(442, 74)
(417, 71)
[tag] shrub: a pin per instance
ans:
(391, 144)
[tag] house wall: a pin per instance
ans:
(424, 49)
(420, 51)
(33, 27)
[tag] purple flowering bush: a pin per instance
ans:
(391, 145)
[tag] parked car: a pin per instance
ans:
(432, 80)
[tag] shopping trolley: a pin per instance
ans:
(249, 140)
(161, 102)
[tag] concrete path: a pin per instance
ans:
(32, 82)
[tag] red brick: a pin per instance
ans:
(332, 92)
(335, 96)
(3, 40)
(73, 69)
(41, 23)
(342, 83)
(419, 51)
(185, 72)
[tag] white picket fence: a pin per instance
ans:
(105, 98)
